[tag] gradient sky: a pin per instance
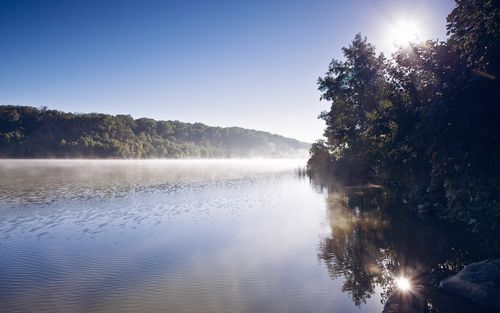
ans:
(247, 63)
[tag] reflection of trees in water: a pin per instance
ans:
(355, 248)
(372, 242)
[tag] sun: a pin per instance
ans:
(404, 32)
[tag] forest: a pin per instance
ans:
(28, 132)
(424, 122)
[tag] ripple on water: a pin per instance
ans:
(176, 237)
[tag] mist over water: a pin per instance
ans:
(209, 236)
(46, 181)
(166, 235)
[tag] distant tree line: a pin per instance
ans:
(425, 122)
(28, 132)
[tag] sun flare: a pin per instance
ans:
(404, 32)
(403, 283)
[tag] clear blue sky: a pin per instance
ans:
(245, 63)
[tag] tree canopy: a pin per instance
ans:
(423, 122)
(28, 132)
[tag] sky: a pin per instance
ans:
(252, 64)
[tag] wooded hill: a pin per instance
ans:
(28, 132)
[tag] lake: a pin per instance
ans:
(206, 236)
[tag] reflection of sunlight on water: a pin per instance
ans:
(356, 249)
(403, 283)
(377, 248)
(349, 251)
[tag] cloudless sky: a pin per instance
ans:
(251, 63)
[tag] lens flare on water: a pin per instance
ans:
(403, 283)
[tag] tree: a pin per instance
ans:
(424, 122)
(320, 159)
(27, 132)
(356, 87)
(473, 28)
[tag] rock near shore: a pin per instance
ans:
(478, 282)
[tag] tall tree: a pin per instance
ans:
(356, 88)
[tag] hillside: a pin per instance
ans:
(28, 132)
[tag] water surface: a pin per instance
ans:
(195, 236)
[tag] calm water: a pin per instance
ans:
(201, 236)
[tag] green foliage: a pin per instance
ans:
(425, 121)
(473, 26)
(27, 132)
(320, 159)
(355, 87)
